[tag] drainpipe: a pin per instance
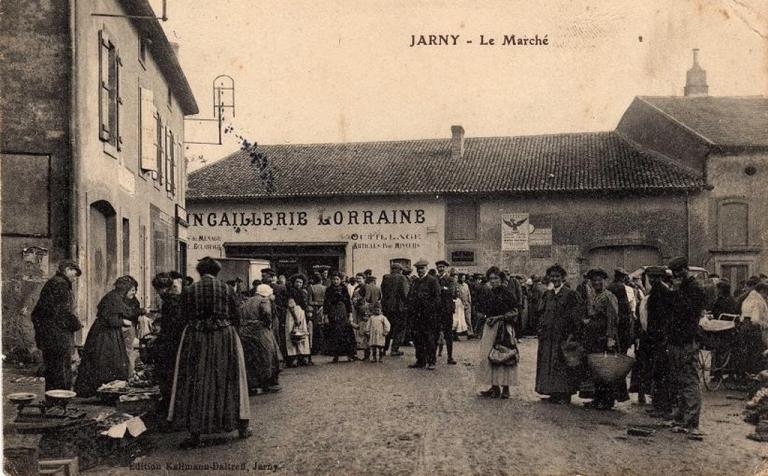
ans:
(75, 170)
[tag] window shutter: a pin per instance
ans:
(118, 99)
(103, 85)
(168, 159)
(148, 125)
(158, 145)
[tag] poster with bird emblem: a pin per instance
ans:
(515, 228)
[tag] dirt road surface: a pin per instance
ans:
(363, 418)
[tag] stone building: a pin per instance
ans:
(91, 150)
(518, 202)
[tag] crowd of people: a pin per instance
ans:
(217, 343)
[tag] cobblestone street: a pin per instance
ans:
(365, 418)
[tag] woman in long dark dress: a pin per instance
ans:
(262, 361)
(210, 385)
(104, 356)
(168, 286)
(338, 308)
(559, 320)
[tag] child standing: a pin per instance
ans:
(376, 329)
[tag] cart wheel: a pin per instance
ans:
(704, 366)
(723, 368)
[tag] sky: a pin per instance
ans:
(343, 70)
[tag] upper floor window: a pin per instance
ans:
(461, 221)
(733, 223)
(143, 47)
(110, 101)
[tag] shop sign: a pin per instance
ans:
(462, 257)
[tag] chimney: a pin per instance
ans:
(175, 46)
(696, 78)
(457, 142)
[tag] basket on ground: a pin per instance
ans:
(610, 368)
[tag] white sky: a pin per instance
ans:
(342, 70)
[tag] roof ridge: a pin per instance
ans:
(672, 118)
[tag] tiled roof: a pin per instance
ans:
(720, 121)
(548, 163)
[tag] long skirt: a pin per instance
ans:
(261, 352)
(210, 387)
(487, 374)
(104, 359)
(341, 335)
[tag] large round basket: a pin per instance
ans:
(610, 368)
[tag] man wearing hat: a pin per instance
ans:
(423, 305)
(447, 294)
(659, 309)
(682, 349)
(601, 335)
(55, 324)
(394, 296)
(281, 307)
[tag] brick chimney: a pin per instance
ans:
(457, 142)
(696, 78)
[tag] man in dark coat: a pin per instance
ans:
(682, 348)
(55, 324)
(559, 321)
(394, 295)
(423, 305)
(447, 294)
(660, 303)
(281, 307)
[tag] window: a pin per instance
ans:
(169, 166)
(143, 46)
(110, 101)
(461, 221)
(148, 126)
(126, 246)
(733, 223)
(170, 97)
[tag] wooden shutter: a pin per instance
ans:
(148, 125)
(118, 99)
(171, 162)
(159, 146)
(104, 86)
(168, 159)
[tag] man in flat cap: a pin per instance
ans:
(55, 324)
(394, 298)
(423, 305)
(447, 294)
(682, 349)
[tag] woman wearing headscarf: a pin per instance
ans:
(338, 308)
(559, 321)
(260, 348)
(501, 309)
(105, 357)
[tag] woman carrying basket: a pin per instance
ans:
(500, 306)
(601, 335)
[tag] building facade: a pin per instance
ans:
(520, 203)
(91, 151)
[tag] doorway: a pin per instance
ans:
(736, 273)
(102, 254)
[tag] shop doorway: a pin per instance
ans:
(102, 254)
(289, 259)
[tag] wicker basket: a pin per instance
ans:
(610, 368)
